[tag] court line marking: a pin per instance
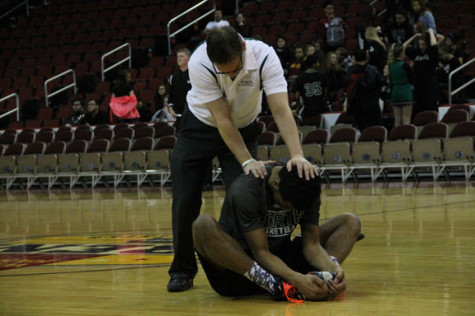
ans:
(163, 265)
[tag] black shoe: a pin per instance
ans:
(179, 282)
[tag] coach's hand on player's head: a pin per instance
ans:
(257, 168)
(304, 167)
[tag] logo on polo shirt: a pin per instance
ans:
(246, 83)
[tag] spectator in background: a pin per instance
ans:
(400, 76)
(94, 115)
(450, 58)
(295, 64)
(311, 90)
(334, 75)
(345, 60)
(217, 22)
(363, 88)
(144, 110)
(422, 14)
(400, 30)
(179, 85)
(425, 58)
(368, 18)
(123, 103)
(284, 52)
(448, 44)
(241, 26)
(77, 115)
(309, 50)
(331, 28)
(376, 48)
(162, 110)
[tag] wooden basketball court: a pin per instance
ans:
(107, 253)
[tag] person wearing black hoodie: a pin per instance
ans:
(363, 89)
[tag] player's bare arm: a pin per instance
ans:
(279, 105)
(233, 139)
(317, 256)
(313, 251)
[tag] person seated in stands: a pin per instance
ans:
(77, 114)
(422, 14)
(400, 30)
(449, 44)
(284, 52)
(217, 22)
(344, 59)
(144, 111)
(295, 64)
(241, 26)
(94, 115)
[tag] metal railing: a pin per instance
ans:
(129, 58)
(22, 3)
(466, 84)
(72, 85)
(17, 109)
(169, 36)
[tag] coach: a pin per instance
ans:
(227, 76)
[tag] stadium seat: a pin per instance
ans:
(26, 163)
(136, 158)
(90, 161)
(112, 160)
(48, 162)
(69, 161)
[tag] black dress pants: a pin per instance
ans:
(196, 146)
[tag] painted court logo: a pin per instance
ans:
(86, 250)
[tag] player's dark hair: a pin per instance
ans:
(301, 193)
(223, 45)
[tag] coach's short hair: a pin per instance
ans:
(223, 45)
(300, 192)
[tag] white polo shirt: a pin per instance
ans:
(243, 94)
(214, 24)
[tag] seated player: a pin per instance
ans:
(250, 250)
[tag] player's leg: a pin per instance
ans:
(217, 247)
(230, 270)
(339, 234)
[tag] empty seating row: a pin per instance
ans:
(67, 134)
(118, 158)
(374, 155)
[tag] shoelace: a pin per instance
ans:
(291, 293)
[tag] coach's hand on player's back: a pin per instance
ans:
(304, 167)
(312, 287)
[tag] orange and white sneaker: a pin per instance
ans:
(288, 292)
